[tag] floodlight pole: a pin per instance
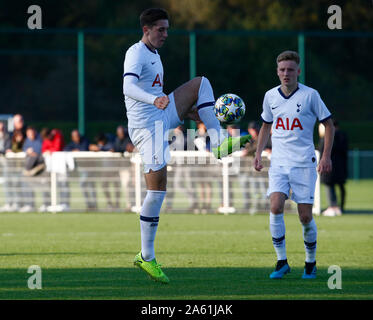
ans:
(192, 64)
(81, 111)
(192, 55)
(302, 55)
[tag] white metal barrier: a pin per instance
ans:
(109, 182)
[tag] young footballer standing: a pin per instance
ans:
(151, 113)
(291, 110)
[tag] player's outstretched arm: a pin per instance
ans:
(325, 164)
(263, 137)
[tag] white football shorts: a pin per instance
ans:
(300, 180)
(152, 143)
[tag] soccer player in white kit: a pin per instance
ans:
(151, 114)
(291, 110)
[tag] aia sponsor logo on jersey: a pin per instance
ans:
(157, 81)
(288, 124)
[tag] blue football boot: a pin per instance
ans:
(282, 268)
(309, 270)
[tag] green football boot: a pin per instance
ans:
(229, 145)
(152, 268)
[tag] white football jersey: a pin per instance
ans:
(147, 66)
(293, 119)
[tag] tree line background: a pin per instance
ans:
(39, 71)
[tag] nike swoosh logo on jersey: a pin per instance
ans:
(274, 107)
(153, 62)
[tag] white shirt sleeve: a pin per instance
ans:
(132, 90)
(266, 115)
(319, 107)
(133, 65)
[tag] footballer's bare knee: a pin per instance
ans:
(277, 209)
(305, 213)
(277, 200)
(305, 219)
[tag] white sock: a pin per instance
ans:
(149, 217)
(277, 228)
(205, 107)
(310, 237)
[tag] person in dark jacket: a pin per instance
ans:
(338, 175)
(78, 143)
(122, 141)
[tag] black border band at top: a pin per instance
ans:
(131, 74)
(266, 121)
(327, 118)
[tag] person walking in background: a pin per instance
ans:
(338, 175)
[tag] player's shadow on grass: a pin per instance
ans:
(358, 211)
(77, 253)
(186, 283)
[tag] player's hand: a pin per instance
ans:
(162, 102)
(325, 165)
(258, 163)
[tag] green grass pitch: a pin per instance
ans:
(89, 256)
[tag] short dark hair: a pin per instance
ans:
(31, 128)
(253, 125)
(45, 132)
(101, 137)
(151, 15)
(288, 55)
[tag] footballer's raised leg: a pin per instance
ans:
(199, 91)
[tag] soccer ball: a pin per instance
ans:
(229, 108)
